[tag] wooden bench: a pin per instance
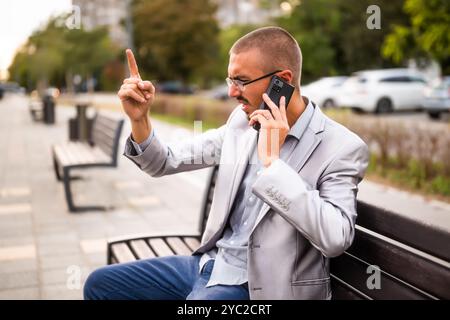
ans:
(413, 258)
(101, 151)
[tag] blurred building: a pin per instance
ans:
(110, 13)
(246, 11)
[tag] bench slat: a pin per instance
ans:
(105, 143)
(160, 247)
(405, 230)
(105, 133)
(123, 253)
(106, 122)
(63, 156)
(105, 147)
(192, 243)
(100, 156)
(179, 246)
(142, 249)
(75, 152)
(416, 269)
(107, 130)
(88, 153)
(341, 291)
(59, 155)
(354, 272)
(79, 153)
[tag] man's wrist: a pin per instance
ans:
(141, 129)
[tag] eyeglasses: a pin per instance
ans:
(241, 84)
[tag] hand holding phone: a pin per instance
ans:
(276, 89)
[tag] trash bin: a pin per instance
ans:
(80, 127)
(48, 109)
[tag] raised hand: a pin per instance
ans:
(135, 94)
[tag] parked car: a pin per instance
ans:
(437, 98)
(11, 87)
(324, 91)
(383, 91)
(220, 92)
(174, 87)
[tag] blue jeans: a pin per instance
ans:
(164, 278)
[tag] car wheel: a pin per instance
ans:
(384, 105)
(329, 103)
(434, 114)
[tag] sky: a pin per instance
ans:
(18, 19)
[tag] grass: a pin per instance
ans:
(182, 122)
(411, 178)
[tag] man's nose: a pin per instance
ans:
(233, 91)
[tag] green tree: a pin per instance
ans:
(227, 38)
(176, 39)
(54, 53)
(314, 24)
(334, 37)
(426, 35)
(87, 52)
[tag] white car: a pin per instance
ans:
(437, 98)
(383, 91)
(220, 92)
(323, 91)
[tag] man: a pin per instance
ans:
(285, 197)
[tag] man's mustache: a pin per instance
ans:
(241, 98)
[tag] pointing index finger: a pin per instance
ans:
(132, 65)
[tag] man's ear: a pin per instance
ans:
(286, 75)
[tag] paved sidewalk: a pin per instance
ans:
(44, 248)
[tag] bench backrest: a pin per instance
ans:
(207, 199)
(106, 132)
(412, 257)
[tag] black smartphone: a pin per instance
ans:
(276, 89)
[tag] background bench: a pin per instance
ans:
(100, 151)
(413, 257)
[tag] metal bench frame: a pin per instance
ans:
(413, 257)
(66, 178)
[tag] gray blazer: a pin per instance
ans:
(310, 200)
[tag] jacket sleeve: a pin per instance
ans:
(159, 159)
(325, 216)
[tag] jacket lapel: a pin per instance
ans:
(243, 142)
(242, 162)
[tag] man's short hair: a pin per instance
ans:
(278, 47)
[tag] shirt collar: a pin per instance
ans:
(302, 122)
